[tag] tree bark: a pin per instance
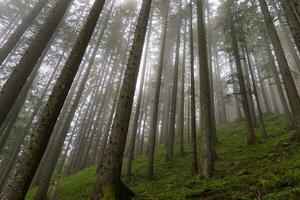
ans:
(205, 144)
(194, 164)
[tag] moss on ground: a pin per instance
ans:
(269, 170)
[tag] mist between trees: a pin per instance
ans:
(90, 83)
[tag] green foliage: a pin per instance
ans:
(269, 170)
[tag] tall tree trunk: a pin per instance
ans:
(205, 144)
(182, 97)
(139, 101)
(171, 131)
(288, 81)
(108, 184)
(194, 164)
(27, 164)
(22, 70)
(158, 79)
(17, 34)
(250, 129)
(211, 81)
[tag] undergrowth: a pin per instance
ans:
(269, 170)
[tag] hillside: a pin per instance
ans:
(270, 170)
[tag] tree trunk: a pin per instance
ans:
(205, 145)
(182, 97)
(158, 79)
(139, 101)
(171, 131)
(250, 129)
(194, 164)
(108, 184)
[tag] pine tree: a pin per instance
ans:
(205, 144)
(108, 184)
(158, 79)
(194, 164)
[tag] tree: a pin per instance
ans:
(235, 49)
(139, 102)
(182, 97)
(158, 79)
(205, 144)
(194, 163)
(171, 131)
(108, 184)
(27, 163)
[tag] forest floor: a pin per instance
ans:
(269, 170)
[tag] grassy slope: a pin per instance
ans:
(269, 170)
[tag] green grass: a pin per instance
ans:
(269, 170)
